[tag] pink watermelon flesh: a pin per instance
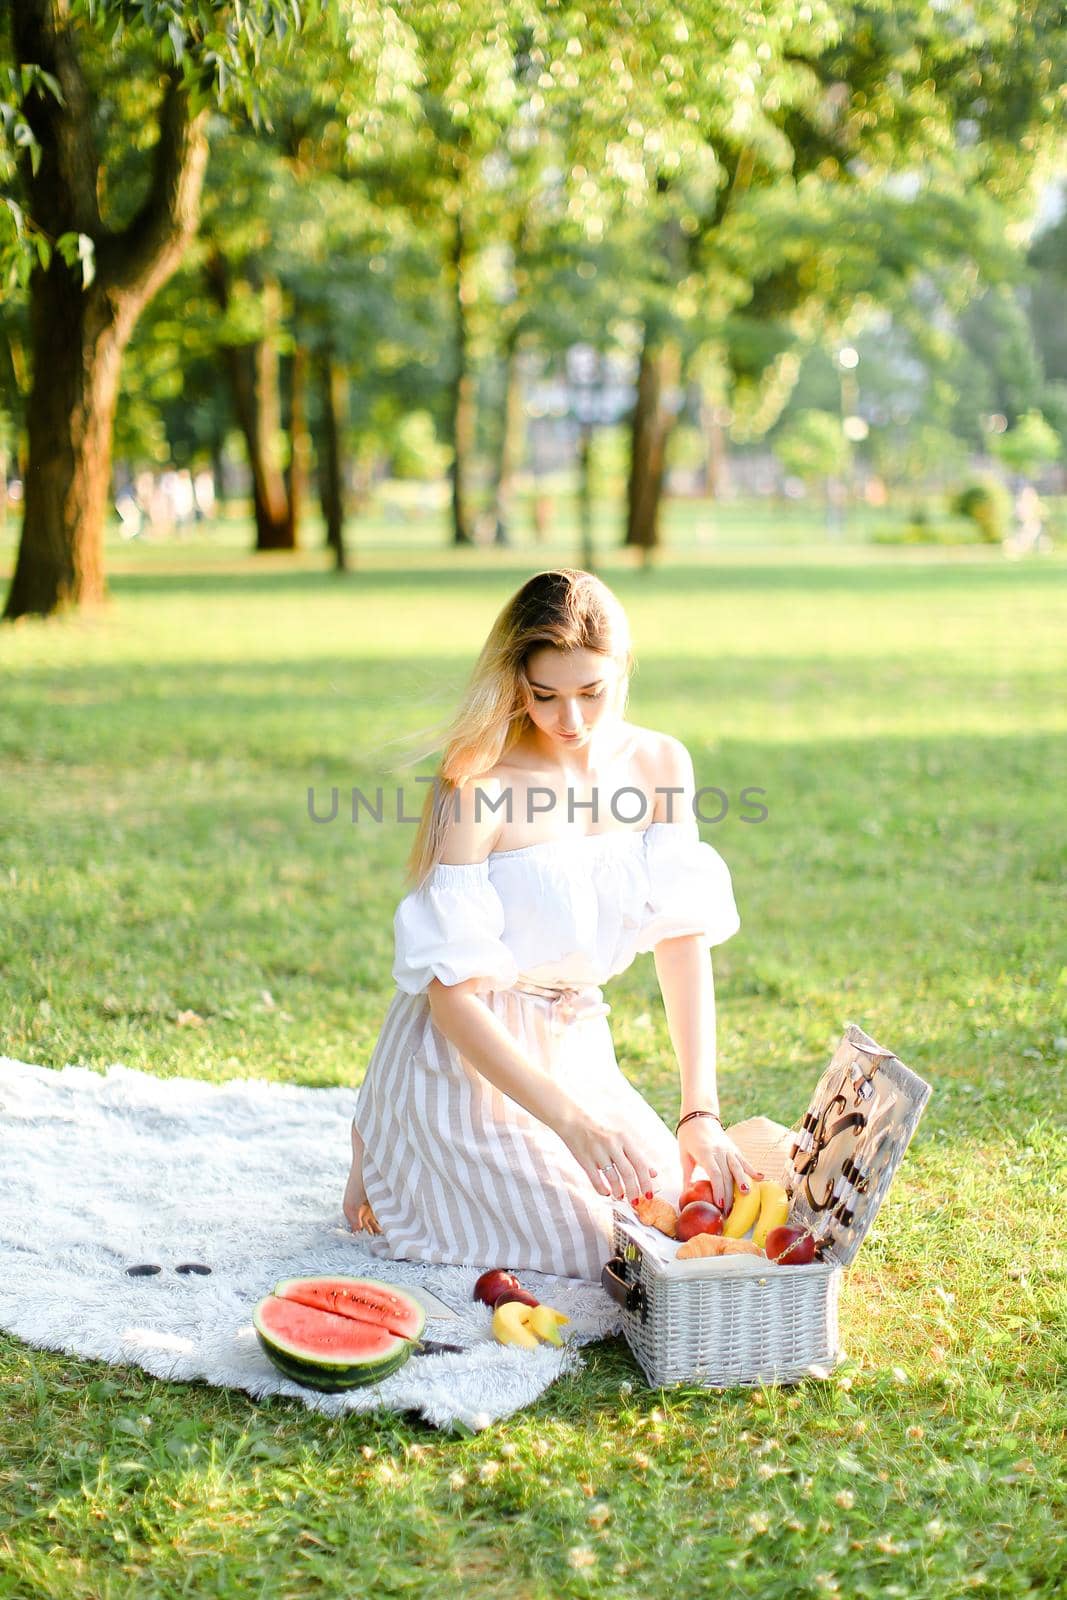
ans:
(321, 1338)
(361, 1299)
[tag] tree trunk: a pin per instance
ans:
(463, 412)
(299, 441)
(3, 487)
(587, 559)
(716, 457)
(541, 506)
(15, 444)
(650, 429)
(253, 373)
(218, 469)
(510, 441)
(334, 401)
(79, 332)
(69, 420)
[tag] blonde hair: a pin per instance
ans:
(563, 609)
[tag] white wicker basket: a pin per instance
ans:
(728, 1320)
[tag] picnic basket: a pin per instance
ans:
(740, 1320)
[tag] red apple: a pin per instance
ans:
(491, 1285)
(523, 1296)
(699, 1189)
(699, 1216)
(790, 1247)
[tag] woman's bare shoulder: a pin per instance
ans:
(660, 752)
(666, 769)
(472, 824)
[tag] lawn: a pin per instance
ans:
(904, 714)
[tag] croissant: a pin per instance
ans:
(702, 1244)
(657, 1214)
(711, 1244)
(742, 1247)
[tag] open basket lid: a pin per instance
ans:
(850, 1142)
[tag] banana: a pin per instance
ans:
(743, 1212)
(509, 1325)
(545, 1322)
(774, 1209)
(514, 1323)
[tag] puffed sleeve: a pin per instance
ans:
(689, 887)
(451, 929)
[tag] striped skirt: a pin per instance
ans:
(457, 1172)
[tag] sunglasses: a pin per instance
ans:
(149, 1270)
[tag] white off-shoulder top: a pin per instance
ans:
(563, 912)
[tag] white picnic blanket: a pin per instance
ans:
(99, 1172)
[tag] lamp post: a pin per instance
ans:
(853, 426)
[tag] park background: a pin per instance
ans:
(322, 330)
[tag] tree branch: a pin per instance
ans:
(142, 255)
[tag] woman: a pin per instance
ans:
(494, 1126)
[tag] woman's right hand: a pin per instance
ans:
(612, 1145)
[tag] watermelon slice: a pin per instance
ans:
(382, 1305)
(324, 1351)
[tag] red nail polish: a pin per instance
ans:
(648, 1194)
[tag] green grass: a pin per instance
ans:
(904, 713)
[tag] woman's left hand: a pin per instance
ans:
(703, 1143)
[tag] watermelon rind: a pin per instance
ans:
(362, 1299)
(335, 1380)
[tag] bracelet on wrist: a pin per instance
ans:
(691, 1114)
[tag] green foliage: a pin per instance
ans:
(415, 451)
(1029, 446)
(907, 159)
(745, 183)
(1047, 292)
(813, 445)
(915, 451)
(928, 523)
(217, 51)
(932, 394)
(1055, 409)
(687, 447)
(217, 46)
(987, 503)
(995, 365)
